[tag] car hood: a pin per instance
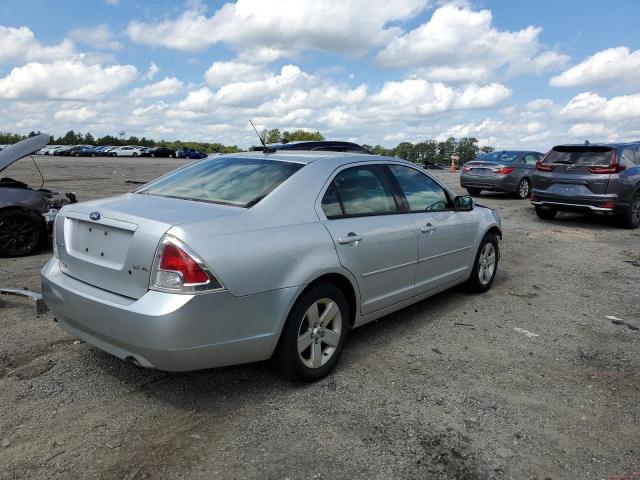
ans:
(15, 152)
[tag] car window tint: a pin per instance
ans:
(628, 158)
(530, 159)
(423, 193)
(330, 203)
(232, 181)
(363, 190)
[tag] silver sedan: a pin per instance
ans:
(256, 256)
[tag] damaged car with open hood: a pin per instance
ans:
(26, 213)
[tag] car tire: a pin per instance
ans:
(524, 189)
(31, 233)
(304, 341)
(546, 213)
(485, 266)
(474, 192)
(630, 217)
(134, 154)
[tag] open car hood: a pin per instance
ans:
(15, 152)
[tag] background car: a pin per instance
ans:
(190, 153)
(26, 214)
(160, 276)
(602, 178)
(160, 152)
(507, 171)
(83, 151)
(127, 151)
(322, 146)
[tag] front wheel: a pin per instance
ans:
(21, 233)
(314, 335)
(524, 189)
(630, 217)
(474, 192)
(486, 265)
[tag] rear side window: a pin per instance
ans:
(363, 191)
(586, 156)
(531, 158)
(423, 194)
(628, 158)
(330, 203)
(241, 182)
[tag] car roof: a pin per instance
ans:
(510, 151)
(603, 144)
(309, 156)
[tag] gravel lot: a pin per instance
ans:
(450, 388)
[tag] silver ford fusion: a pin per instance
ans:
(252, 256)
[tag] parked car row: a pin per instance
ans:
(119, 151)
(586, 178)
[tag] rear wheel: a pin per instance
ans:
(20, 233)
(486, 265)
(546, 213)
(134, 154)
(474, 192)
(314, 336)
(524, 189)
(630, 218)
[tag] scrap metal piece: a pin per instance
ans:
(41, 307)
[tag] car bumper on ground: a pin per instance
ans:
(167, 331)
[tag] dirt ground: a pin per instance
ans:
(532, 380)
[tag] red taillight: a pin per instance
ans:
(503, 170)
(611, 205)
(466, 169)
(174, 259)
(613, 167)
(543, 167)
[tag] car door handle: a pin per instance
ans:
(350, 238)
(427, 228)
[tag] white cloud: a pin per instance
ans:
(591, 106)
(64, 80)
(459, 45)
(266, 30)
(19, 45)
(151, 72)
(221, 73)
(99, 36)
(77, 115)
(611, 67)
(164, 88)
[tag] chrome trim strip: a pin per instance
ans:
(444, 254)
(388, 269)
(579, 205)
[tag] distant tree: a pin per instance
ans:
(272, 136)
(302, 135)
(487, 149)
(467, 149)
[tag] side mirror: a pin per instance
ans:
(463, 203)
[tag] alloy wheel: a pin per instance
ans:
(486, 263)
(319, 333)
(635, 211)
(18, 235)
(523, 188)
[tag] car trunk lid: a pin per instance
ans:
(482, 169)
(111, 243)
(576, 171)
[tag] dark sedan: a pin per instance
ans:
(190, 153)
(159, 152)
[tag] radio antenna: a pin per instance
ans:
(265, 149)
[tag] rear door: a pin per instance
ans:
(445, 237)
(574, 172)
(374, 240)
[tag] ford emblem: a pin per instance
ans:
(95, 216)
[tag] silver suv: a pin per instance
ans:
(589, 178)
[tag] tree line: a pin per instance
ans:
(425, 152)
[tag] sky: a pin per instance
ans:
(512, 74)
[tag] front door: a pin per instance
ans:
(375, 242)
(445, 236)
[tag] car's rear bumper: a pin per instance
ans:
(595, 203)
(491, 183)
(168, 331)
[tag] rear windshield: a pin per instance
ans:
(498, 157)
(240, 182)
(591, 156)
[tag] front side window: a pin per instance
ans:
(423, 193)
(330, 203)
(241, 182)
(364, 191)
